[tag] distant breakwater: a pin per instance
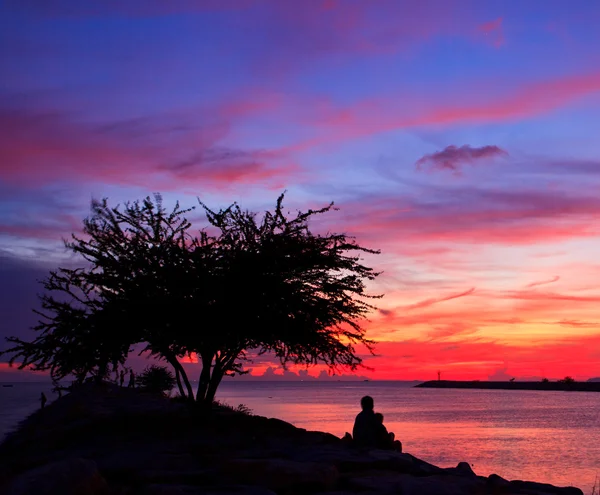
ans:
(545, 386)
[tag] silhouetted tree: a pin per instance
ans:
(545, 380)
(261, 285)
(157, 379)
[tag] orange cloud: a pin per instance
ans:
(543, 282)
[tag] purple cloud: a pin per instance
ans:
(452, 158)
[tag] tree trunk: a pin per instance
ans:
(179, 385)
(183, 375)
(188, 385)
(215, 380)
(207, 360)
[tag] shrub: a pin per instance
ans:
(157, 379)
(240, 408)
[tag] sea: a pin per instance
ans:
(551, 437)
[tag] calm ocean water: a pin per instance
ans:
(550, 437)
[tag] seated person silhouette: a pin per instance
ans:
(369, 431)
(366, 427)
(386, 440)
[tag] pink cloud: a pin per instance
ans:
(370, 117)
(492, 32)
(40, 148)
(452, 158)
(435, 300)
(543, 282)
(471, 216)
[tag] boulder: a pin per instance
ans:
(351, 459)
(497, 485)
(462, 469)
(192, 490)
(411, 485)
(530, 487)
(237, 490)
(280, 474)
(374, 481)
(68, 477)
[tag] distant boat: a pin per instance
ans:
(365, 380)
(8, 385)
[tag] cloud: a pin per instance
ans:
(369, 117)
(43, 148)
(492, 32)
(429, 302)
(469, 359)
(543, 282)
(450, 330)
(579, 324)
(18, 288)
(500, 375)
(441, 216)
(452, 158)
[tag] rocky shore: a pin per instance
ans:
(112, 441)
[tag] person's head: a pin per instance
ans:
(379, 417)
(367, 403)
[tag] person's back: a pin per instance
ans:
(366, 426)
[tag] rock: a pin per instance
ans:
(169, 490)
(194, 477)
(237, 490)
(68, 477)
(281, 474)
(423, 468)
(462, 469)
(412, 485)
(351, 459)
(443, 485)
(194, 490)
(530, 487)
(379, 482)
(496, 484)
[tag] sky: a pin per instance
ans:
(459, 137)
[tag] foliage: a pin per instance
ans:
(257, 284)
(240, 408)
(567, 379)
(545, 380)
(156, 378)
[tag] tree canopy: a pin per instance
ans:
(245, 284)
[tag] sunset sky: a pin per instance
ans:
(462, 138)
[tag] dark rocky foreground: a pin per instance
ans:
(555, 386)
(117, 441)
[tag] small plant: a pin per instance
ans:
(244, 409)
(156, 379)
(596, 487)
(241, 408)
(567, 379)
